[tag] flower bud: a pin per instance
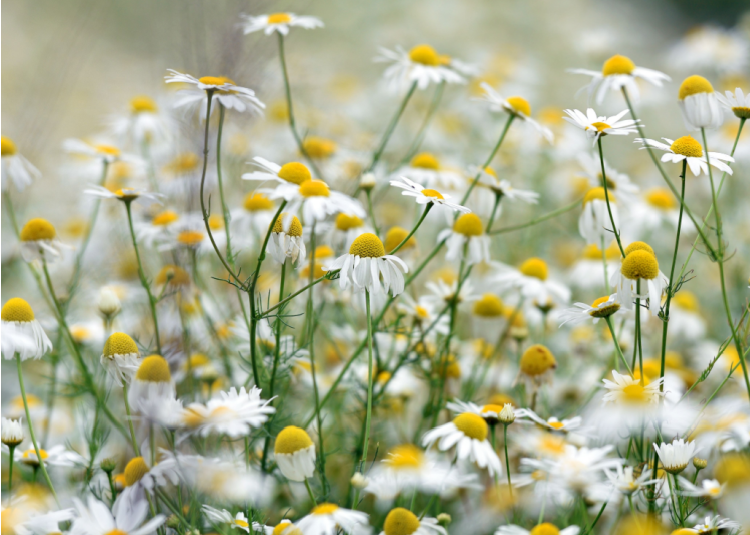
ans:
(12, 432)
(444, 519)
(699, 464)
(507, 415)
(367, 182)
(173, 522)
(109, 304)
(358, 481)
(108, 465)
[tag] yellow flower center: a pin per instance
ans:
(319, 147)
(17, 309)
(348, 222)
(240, 523)
(314, 188)
(471, 425)
(422, 312)
(546, 528)
(119, 344)
(292, 439)
(154, 369)
(164, 218)
(197, 360)
(600, 126)
(38, 229)
(468, 225)
(174, 274)
(555, 424)
(400, 521)
(425, 160)
(687, 146)
(635, 393)
(497, 409)
(143, 103)
(536, 360)
(424, 55)
(592, 252)
(279, 18)
(501, 399)
(686, 300)
(109, 150)
(693, 85)
(325, 509)
(639, 246)
(215, 80)
(396, 235)
(383, 377)
(295, 172)
(535, 267)
(190, 238)
(184, 163)
(216, 222)
(519, 105)
(295, 228)
(283, 527)
(255, 202)
(115, 532)
(640, 265)
(367, 245)
(134, 471)
(618, 65)
(435, 194)
(604, 311)
(743, 112)
(405, 456)
(661, 198)
(42, 453)
(489, 306)
(733, 469)
(597, 193)
(7, 147)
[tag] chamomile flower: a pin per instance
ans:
(286, 240)
(699, 104)
(594, 223)
(294, 453)
(366, 264)
(551, 423)
(142, 122)
(223, 89)
(120, 358)
(502, 189)
(126, 194)
(139, 478)
(329, 518)
(540, 529)
(625, 482)
(158, 228)
(234, 414)
(420, 66)
(536, 367)
(54, 456)
(709, 488)
(687, 148)
(15, 168)
(22, 333)
(314, 200)
(597, 126)
(400, 521)
(425, 196)
(618, 183)
(626, 390)
(278, 22)
(619, 72)
(291, 172)
(532, 280)
(685, 318)
(738, 103)
(466, 240)
(222, 516)
(12, 432)
(152, 380)
(639, 265)
(654, 209)
(676, 455)
(423, 314)
(517, 107)
(39, 240)
(588, 271)
(602, 307)
(253, 218)
(95, 518)
(346, 229)
(427, 169)
(468, 432)
(102, 152)
(716, 523)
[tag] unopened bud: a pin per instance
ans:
(108, 465)
(507, 415)
(173, 522)
(367, 182)
(444, 519)
(699, 464)
(109, 304)
(358, 481)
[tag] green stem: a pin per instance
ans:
(606, 197)
(133, 440)
(540, 219)
(489, 159)
(507, 459)
(608, 319)
(368, 192)
(368, 416)
(498, 198)
(408, 236)
(391, 127)
(11, 450)
(310, 493)
(638, 328)
(224, 209)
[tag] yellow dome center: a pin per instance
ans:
(143, 103)
(17, 309)
(597, 193)
(687, 146)
(164, 218)
(295, 228)
(424, 55)
(347, 222)
(396, 235)
(546, 528)
(640, 265)
(435, 194)
(314, 188)
(325, 509)
(38, 229)
(425, 160)
(639, 246)
(468, 225)
(686, 300)
(42, 453)
(119, 344)
(661, 198)
(520, 105)
(134, 471)
(604, 311)
(497, 409)
(600, 126)
(292, 439)
(635, 393)
(400, 521)
(405, 456)
(255, 202)
(618, 65)
(501, 399)
(279, 18)
(190, 238)
(471, 425)
(154, 369)
(174, 274)
(535, 267)
(536, 360)
(367, 245)
(7, 147)
(319, 147)
(215, 80)
(592, 252)
(184, 163)
(489, 306)
(294, 172)
(112, 532)
(109, 150)
(599, 301)
(693, 85)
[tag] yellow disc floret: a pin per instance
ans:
(292, 439)
(38, 229)
(472, 425)
(215, 80)
(687, 146)
(134, 471)
(255, 202)
(142, 104)
(618, 65)
(405, 456)
(638, 246)
(190, 238)
(396, 235)
(367, 245)
(435, 194)
(535, 267)
(154, 369)
(686, 300)
(17, 309)
(325, 509)
(546, 528)
(661, 198)
(400, 521)
(537, 360)
(174, 275)
(519, 105)
(733, 469)
(294, 172)
(489, 306)
(314, 188)
(468, 225)
(424, 55)
(640, 265)
(164, 218)
(279, 18)
(425, 160)
(7, 147)
(348, 222)
(597, 193)
(319, 147)
(693, 85)
(294, 230)
(605, 311)
(119, 344)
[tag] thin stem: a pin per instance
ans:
(606, 197)
(608, 319)
(310, 493)
(489, 159)
(637, 340)
(507, 459)
(391, 127)
(540, 219)
(414, 147)
(11, 450)
(224, 209)
(495, 205)
(368, 193)
(133, 440)
(368, 415)
(408, 236)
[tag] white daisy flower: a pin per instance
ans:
(142, 123)
(687, 148)
(366, 263)
(222, 516)
(96, 519)
(252, 220)
(545, 528)
(639, 264)
(224, 90)
(165, 412)
(596, 126)
(152, 380)
(328, 519)
(699, 104)
(423, 195)
(442, 293)
(617, 183)
(712, 47)
(423, 313)
(626, 483)
(629, 391)
(55, 456)
(39, 240)
(157, 228)
(518, 107)
(532, 280)
(594, 223)
(44, 524)
(426, 169)
(579, 313)
(468, 432)
(12, 432)
(676, 455)
(279, 22)
(345, 230)
(467, 233)
(618, 72)
(709, 488)
(551, 423)
(125, 194)
(737, 102)
(139, 478)
(716, 523)
(314, 200)
(120, 358)
(420, 66)
(294, 453)
(22, 333)
(104, 152)
(655, 208)
(501, 188)
(234, 414)
(294, 172)
(15, 168)
(400, 521)
(588, 271)
(286, 240)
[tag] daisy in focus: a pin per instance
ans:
(426, 196)
(517, 107)
(688, 149)
(626, 390)
(401, 521)
(278, 22)
(39, 241)
(597, 126)
(314, 200)
(619, 72)
(421, 66)
(639, 266)
(579, 313)
(699, 104)
(223, 90)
